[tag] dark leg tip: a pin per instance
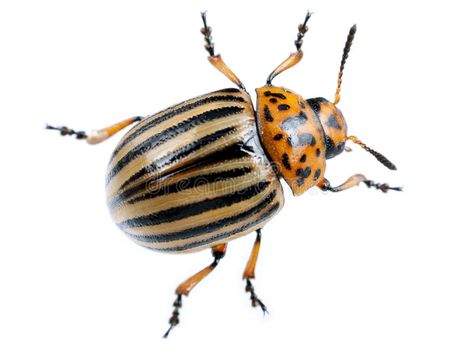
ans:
(174, 320)
(255, 301)
(383, 187)
(167, 332)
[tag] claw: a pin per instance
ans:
(255, 301)
(383, 187)
(174, 320)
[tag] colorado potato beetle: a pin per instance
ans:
(203, 172)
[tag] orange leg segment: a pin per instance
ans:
(99, 135)
(216, 60)
(294, 58)
(249, 273)
(218, 252)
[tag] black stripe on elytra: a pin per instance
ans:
(192, 182)
(228, 90)
(179, 154)
(168, 115)
(171, 132)
(267, 114)
(278, 95)
(292, 123)
(207, 228)
(224, 235)
(283, 107)
(192, 209)
(234, 152)
(301, 140)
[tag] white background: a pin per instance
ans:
(358, 272)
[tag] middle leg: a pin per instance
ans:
(215, 59)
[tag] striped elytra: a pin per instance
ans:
(184, 180)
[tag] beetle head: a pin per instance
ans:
(335, 131)
(333, 123)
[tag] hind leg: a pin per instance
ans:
(249, 273)
(218, 252)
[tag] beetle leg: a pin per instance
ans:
(249, 273)
(97, 136)
(355, 180)
(293, 58)
(216, 60)
(218, 252)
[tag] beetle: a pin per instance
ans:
(203, 172)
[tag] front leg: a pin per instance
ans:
(293, 58)
(355, 180)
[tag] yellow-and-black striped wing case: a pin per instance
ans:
(184, 179)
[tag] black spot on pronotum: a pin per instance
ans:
(332, 150)
(278, 95)
(315, 104)
(332, 122)
(285, 161)
(283, 107)
(303, 158)
(278, 137)
(267, 114)
(317, 174)
(301, 140)
(273, 100)
(303, 174)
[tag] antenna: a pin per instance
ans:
(346, 50)
(380, 157)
